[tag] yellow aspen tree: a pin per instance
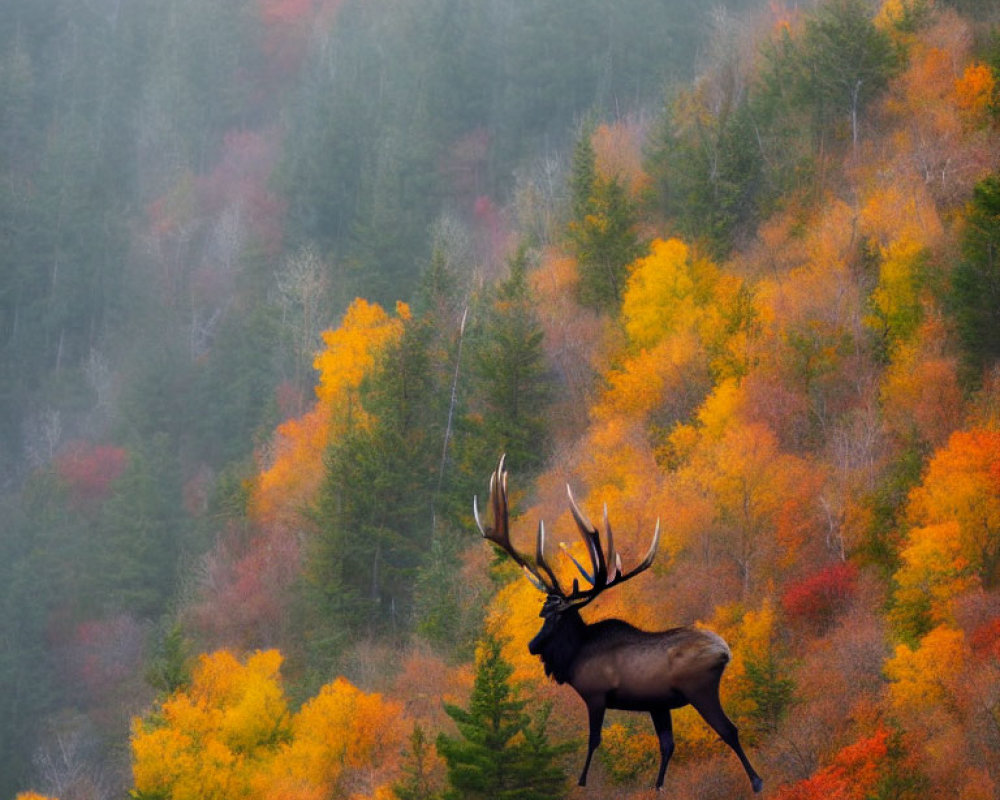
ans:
(933, 573)
(924, 677)
(666, 291)
(341, 737)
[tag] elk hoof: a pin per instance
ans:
(757, 783)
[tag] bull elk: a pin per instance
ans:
(612, 664)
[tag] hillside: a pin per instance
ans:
(247, 413)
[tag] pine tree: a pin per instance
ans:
(502, 754)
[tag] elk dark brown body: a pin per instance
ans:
(612, 664)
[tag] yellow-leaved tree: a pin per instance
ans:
(925, 676)
(229, 733)
(211, 739)
(962, 485)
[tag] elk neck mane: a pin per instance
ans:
(561, 648)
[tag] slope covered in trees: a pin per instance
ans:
(763, 314)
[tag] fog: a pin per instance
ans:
(190, 192)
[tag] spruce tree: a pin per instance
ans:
(602, 231)
(418, 782)
(510, 370)
(501, 754)
(976, 279)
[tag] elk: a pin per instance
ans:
(612, 664)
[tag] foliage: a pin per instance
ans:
(925, 676)
(817, 598)
(960, 486)
(230, 732)
(855, 773)
(628, 752)
(350, 352)
(797, 378)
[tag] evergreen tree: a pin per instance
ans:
(842, 62)
(976, 278)
(373, 514)
(710, 177)
(602, 231)
(417, 783)
(170, 667)
(141, 529)
(502, 754)
(511, 381)
(448, 614)
(583, 174)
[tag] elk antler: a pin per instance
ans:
(540, 573)
(499, 534)
(600, 578)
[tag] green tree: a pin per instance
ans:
(583, 174)
(418, 782)
(602, 231)
(170, 667)
(448, 613)
(976, 278)
(30, 687)
(513, 387)
(502, 754)
(140, 533)
(373, 515)
(709, 175)
(844, 61)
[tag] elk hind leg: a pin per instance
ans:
(708, 705)
(665, 733)
(595, 711)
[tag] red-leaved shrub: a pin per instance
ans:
(817, 598)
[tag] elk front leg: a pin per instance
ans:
(595, 712)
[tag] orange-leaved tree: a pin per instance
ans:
(933, 573)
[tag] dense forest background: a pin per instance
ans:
(281, 279)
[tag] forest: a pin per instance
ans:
(280, 281)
